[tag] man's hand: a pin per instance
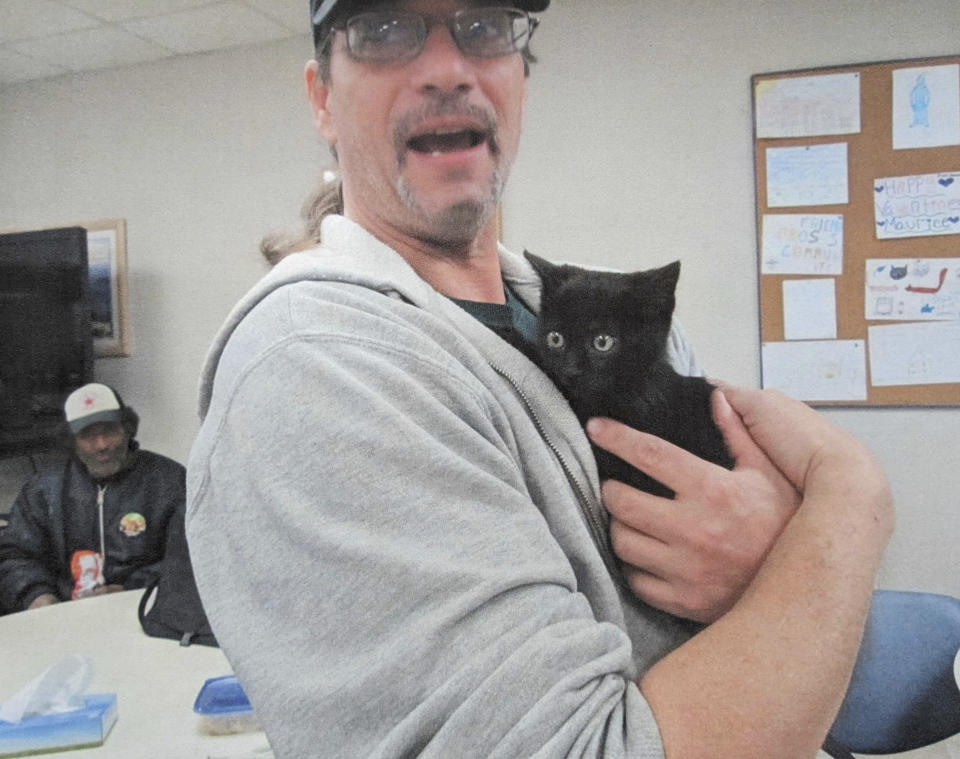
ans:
(44, 599)
(814, 455)
(767, 678)
(693, 556)
(100, 590)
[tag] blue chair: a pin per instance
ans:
(903, 694)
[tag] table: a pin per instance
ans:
(156, 680)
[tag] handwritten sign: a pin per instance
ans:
(808, 175)
(806, 106)
(921, 205)
(802, 244)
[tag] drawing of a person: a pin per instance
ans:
(920, 102)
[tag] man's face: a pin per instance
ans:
(103, 448)
(424, 145)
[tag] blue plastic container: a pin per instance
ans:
(224, 707)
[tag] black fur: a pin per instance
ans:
(583, 312)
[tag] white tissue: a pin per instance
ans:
(59, 688)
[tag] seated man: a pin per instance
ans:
(96, 523)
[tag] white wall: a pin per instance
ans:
(202, 156)
(638, 151)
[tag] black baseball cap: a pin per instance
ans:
(324, 12)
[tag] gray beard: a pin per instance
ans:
(99, 471)
(460, 223)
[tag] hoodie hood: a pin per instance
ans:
(336, 259)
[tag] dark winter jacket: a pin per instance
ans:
(57, 513)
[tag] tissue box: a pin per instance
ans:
(87, 726)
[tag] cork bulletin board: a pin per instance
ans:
(858, 232)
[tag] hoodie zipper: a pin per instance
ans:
(101, 490)
(599, 534)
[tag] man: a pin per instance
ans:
(96, 523)
(395, 518)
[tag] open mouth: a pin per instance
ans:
(437, 143)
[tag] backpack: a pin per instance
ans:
(177, 611)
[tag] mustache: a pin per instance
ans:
(444, 104)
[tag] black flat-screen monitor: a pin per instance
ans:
(46, 342)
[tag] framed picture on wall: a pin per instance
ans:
(107, 261)
(107, 264)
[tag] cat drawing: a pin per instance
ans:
(602, 338)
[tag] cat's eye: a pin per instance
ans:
(555, 340)
(604, 343)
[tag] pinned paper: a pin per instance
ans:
(817, 370)
(920, 289)
(915, 354)
(926, 107)
(806, 106)
(921, 205)
(802, 244)
(809, 309)
(808, 175)
(59, 688)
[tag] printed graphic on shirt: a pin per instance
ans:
(87, 570)
(132, 524)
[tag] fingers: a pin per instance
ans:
(744, 449)
(791, 434)
(656, 592)
(649, 570)
(677, 582)
(45, 599)
(676, 468)
(638, 549)
(694, 555)
(673, 558)
(102, 589)
(640, 511)
(735, 433)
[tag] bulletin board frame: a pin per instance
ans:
(870, 156)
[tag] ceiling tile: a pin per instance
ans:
(105, 47)
(15, 67)
(121, 10)
(33, 33)
(208, 28)
(293, 14)
(23, 19)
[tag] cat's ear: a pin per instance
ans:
(551, 274)
(666, 278)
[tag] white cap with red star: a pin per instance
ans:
(91, 404)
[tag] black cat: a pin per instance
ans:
(602, 339)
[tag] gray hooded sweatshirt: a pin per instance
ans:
(396, 526)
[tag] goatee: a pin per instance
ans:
(458, 224)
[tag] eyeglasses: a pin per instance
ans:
(394, 36)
